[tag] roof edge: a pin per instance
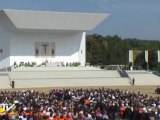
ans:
(11, 22)
(53, 20)
(47, 11)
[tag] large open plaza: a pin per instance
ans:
(50, 69)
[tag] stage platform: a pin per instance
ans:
(33, 77)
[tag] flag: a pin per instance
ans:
(131, 56)
(146, 55)
(158, 55)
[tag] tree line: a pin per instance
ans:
(113, 50)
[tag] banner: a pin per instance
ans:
(146, 55)
(158, 55)
(131, 56)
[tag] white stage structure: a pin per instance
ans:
(38, 36)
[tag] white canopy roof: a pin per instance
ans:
(47, 20)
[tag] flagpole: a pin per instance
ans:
(146, 59)
(132, 59)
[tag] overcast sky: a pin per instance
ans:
(129, 18)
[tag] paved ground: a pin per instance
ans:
(144, 78)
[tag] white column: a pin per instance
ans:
(82, 50)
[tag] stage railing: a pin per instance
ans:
(123, 73)
(6, 69)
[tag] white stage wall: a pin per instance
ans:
(5, 46)
(69, 47)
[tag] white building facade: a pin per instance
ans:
(38, 36)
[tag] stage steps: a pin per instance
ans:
(44, 69)
(68, 74)
(65, 77)
(31, 83)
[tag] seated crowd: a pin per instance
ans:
(81, 104)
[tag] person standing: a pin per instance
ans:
(13, 84)
(133, 81)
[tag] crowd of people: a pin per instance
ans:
(80, 104)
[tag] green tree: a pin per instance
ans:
(114, 50)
